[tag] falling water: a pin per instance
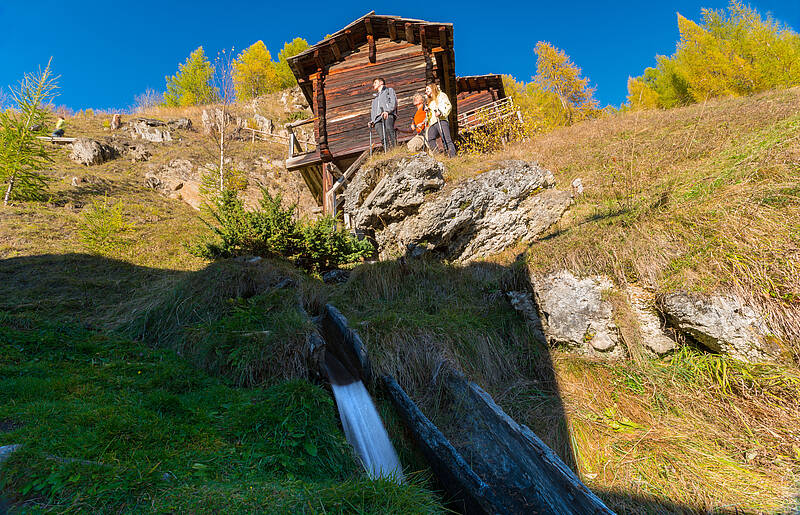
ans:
(365, 431)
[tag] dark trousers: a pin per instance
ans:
(389, 137)
(441, 128)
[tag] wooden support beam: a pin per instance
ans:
(318, 60)
(392, 30)
(409, 32)
(328, 203)
(320, 127)
(348, 36)
(337, 53)
(370, 40)
(443, 36)
(422, 36)
(372, 50)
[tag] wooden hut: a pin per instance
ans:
(482, 99)
(336, 78)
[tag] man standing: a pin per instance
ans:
(384, 112)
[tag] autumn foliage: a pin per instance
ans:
(254, 73)
(731, 52)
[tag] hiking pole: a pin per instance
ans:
(371, 127)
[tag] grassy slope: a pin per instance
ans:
(701, 198)
(134, 409)
(110, 425)
(646, 436)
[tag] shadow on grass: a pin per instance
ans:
(412, 314)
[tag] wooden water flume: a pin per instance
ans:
(507, 469)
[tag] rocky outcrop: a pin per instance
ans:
(642, 304)
(401, 204)
(180, 123)
(574, 313)
(149, 129)
(721, 323)
(178, 179)
(400, 192)
(294, 100)
(134, 152)
(90, 152)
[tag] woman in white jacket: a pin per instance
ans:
(439, 108)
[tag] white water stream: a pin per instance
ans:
(365, 432)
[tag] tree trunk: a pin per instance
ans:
(221, 150)
(8, 190)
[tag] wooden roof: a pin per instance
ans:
(335, 48)
(480, 83)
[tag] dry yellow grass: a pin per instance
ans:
(705, 197)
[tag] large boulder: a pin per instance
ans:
(90, 152)
(574, 313)
(721, 323)
(149, 129)
(477, 217)
(400, 192)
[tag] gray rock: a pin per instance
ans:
(721, 323)
(179, 179)
(90, 152)
(574, 313)
(294, 100)
(478, 217)
(138, 153)
(522, 302)
(149, 129)
(7, 450)
(264, 123)
(214, 118)
(335, 276)
(180, 123)
(400, 192)
(642, 303)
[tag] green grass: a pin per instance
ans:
(109, 425)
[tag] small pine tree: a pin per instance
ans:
(556, 73)
(192, 84)
(22, 154)
(254, 72)
(291, 49)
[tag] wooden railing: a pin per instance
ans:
(495, 111)
(294, 141)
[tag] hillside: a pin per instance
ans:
(704, 199)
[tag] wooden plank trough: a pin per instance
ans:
(336, 76)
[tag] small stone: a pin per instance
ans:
(335, 276)
(577, 187)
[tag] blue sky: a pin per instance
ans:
(107, 52)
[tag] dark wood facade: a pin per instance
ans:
(336, 78)
(479, 90)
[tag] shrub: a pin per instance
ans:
(272, 230)
(103, 223)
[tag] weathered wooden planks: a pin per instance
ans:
(336, 76)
